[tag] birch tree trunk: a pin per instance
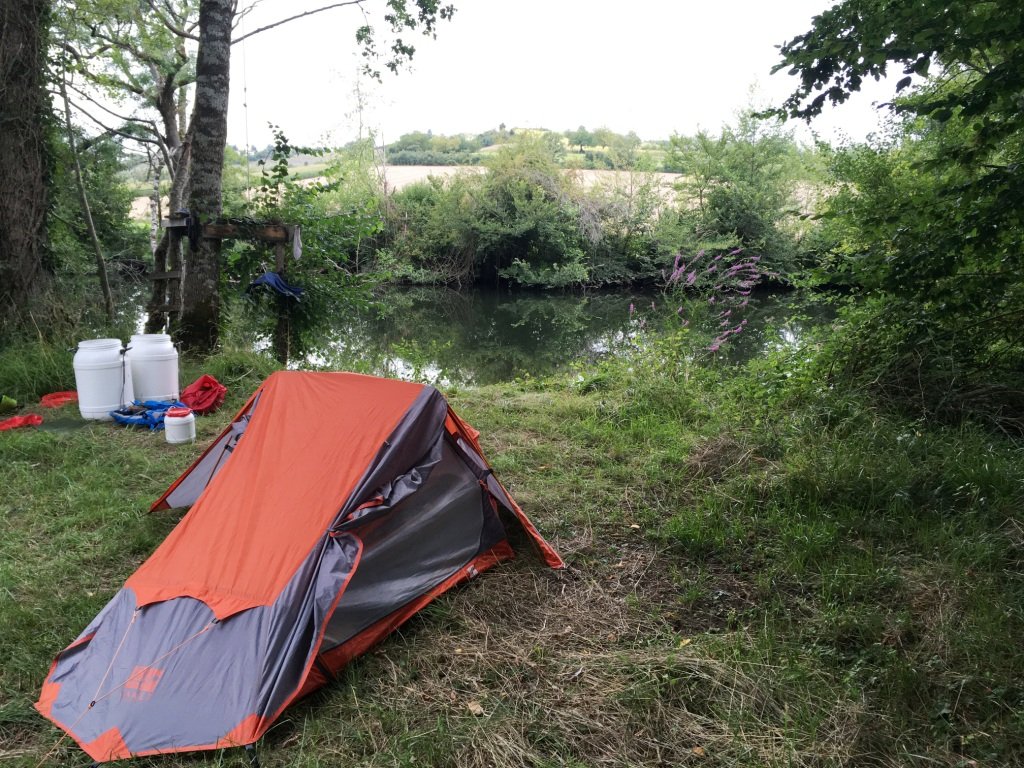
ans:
(200, 312)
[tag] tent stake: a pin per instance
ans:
(254, 759)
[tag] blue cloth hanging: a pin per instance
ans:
(276, 283)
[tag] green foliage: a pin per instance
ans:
(938, 246)
(553, 275)
(979, 48)
(531, 220)
(102, 162)
(124, 50)
(431, 231)
(428, 157)
(236, 178)
(73, 307)
(581, 137)
(930, 230)
(402, 17)
(929, 363)
(427, 149)
(519, 222)
(30, 368)
(240, 370)
(622, 220)
(528, 213)
(740, 184)
(338, 220)
(930, 220)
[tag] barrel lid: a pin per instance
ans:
(99, 343)
(151, 337)
(178, 413)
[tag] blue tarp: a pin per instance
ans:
(145, 413)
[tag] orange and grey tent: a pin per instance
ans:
(332, 509)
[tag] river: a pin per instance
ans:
(483, 336)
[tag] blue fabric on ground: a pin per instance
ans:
(151, 415)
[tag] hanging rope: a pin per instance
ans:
(245, 110)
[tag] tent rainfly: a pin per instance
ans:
(332, 509)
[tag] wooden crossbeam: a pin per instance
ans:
(221, 230)
(268, 233)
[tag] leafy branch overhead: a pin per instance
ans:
(401, 18)
(978, 46)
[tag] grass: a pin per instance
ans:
(759, 575)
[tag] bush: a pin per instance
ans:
(470, 227)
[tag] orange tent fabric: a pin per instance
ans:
(275, 505)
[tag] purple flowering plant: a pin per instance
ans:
(724, 281)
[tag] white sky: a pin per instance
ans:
(650, 66)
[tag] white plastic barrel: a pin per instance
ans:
(102, 378)
(154, 364)
(179, 425)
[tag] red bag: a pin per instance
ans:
(57, 399)
(29, 420)
(204, 395)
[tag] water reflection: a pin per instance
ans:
(777, 321)
(483, 336)
(475, 336)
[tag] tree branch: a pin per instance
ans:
(157, 139)
(79, 57)
(178, 29)
(297, 16)
(125, 45)
(240, 15)
(114, 131)
(112, 113)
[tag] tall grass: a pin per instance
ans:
(30, 369)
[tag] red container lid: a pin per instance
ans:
(178, 413)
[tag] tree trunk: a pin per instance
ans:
(24, 107)
(156, 167)
(200, 312)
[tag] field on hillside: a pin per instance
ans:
(398, 177)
